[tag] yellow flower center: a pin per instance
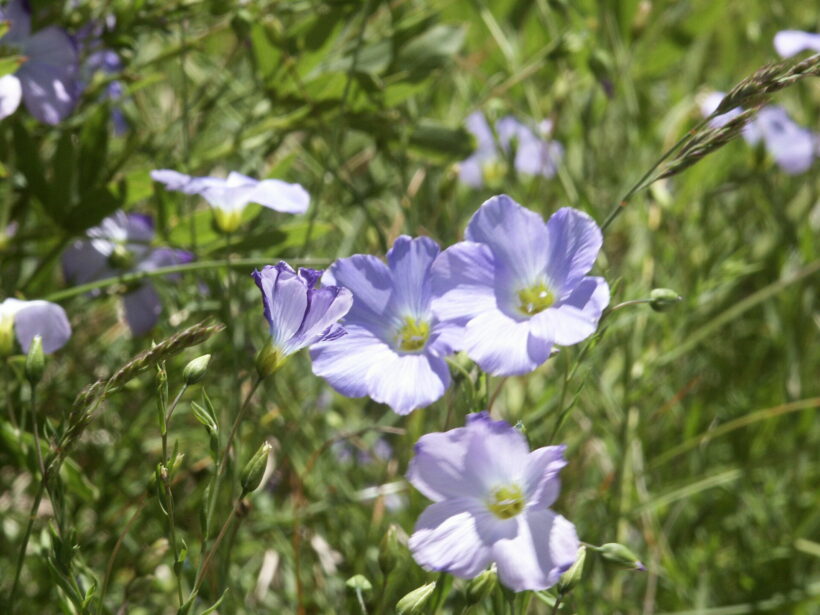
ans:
(494, 171)
(506, 502)
(121, 257)
(413, 335)
(535, 299)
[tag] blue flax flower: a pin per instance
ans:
(518, 286)
(534, 155)
(25, 319)
(122, 244)
(47, 77)
(230, 196)
(792, 146)
(491, 504)
(395, 348)
(298, 313)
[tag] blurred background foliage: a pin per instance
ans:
(692, 434)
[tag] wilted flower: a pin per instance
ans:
(789, 43)
(26, 319)
(491, 504)
(46, 78)
(299, 314)
(122, 244)
(230, 196)
(534, 155)
(792, 147)
(395, 349)
(518, 285)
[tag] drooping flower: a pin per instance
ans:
(491, 504)
(534, 155)
(789, 43)
(518, 286)
(122, 244)
(25, 319)
(47, 77)
(792, 147)
(230, 196)
(395, 349)
(298, 313)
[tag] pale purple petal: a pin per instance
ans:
(479, 127)
(142, 308)
(470, 170)
(439, 468)
(498, 453)
(370, 281)
(228, 198)
(409, 381)
(43, 318)
(538, 157)
(574, 240)
(503, 346)
(575, 318)
(541, 482)
(284, 295)
(173, 180)
(517, 236)
(325, 307)
(281, 196)
(10, 94)
(791, 42)
(510, 129)
(410, 261)
(790, 145)
(446, 338)
(49, 76)
(164, 257)
(345, 364)
(463, 282)
(83, 263)
(18, 14)
(545, 546)
(446, 538)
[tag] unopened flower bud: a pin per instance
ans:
(254, 470)
(481, 587)
(268, 360)
(390, 549)
(359, 582)
(196, 369)
(6, 334)
(572, 577)
(619, 554)
(662, 299)
(415, 602)
(35, 361)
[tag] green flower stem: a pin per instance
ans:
(137, 276)
(203, 567)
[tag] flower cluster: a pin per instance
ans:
(534, 155)
(122, 244)
(46, 79)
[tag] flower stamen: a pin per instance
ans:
(506, 502)
(413, 335)
(535, 299)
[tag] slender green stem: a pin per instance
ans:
(224, 459)
(557, 604)
(21, 556)
(645, 180)
(36, 431)
(360, 599)
(136, 276)
(203, 567)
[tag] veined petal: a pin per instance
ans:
(284, 295)
(446, 539)
(545, 546)
(438, 468)
(173, 180)
(462, 281)
(10, 94)
(345, 363)
(575, 318)
(228, 198)
(541, 475)
(281, 196)
(410, 261)
(503, 346)
(574, 241)
(517, 236)
(409, 381)
(142, 308)
(497, 452)
(42, 318)
(83, 263)
(325, 307)
(370, 282)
